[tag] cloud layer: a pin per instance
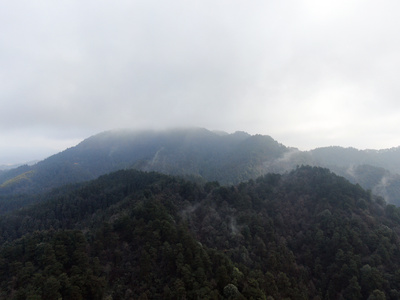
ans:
(309, 73)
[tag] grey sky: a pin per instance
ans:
(309, 73)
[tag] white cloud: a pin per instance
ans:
(308, 73)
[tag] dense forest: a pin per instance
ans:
(307, 234)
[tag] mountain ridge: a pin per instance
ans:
(203, 155)
(197, 152)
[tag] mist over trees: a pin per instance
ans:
(308, 234)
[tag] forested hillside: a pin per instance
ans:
(198, 153)
(386, 158)
(308, 234)
(375, 170)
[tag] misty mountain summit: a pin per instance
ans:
(201, 155)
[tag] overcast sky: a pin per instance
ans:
(309, 73)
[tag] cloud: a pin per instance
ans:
(309, 73)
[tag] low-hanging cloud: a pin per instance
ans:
(309, 73)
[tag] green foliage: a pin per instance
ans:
(136, 235)
(20, 179)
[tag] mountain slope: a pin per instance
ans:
(308, 234)
(196, 152)
(201, 155)
(376, 170)
(387, 158)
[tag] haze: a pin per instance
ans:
(308, 73)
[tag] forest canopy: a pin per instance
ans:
(307, 234)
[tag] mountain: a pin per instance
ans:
(376, 170)
(199, 153)
(386, 158)
(306, 234)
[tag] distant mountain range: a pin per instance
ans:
(376, 170)
(13, 166)
(201, 155)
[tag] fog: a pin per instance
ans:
(308, 73)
